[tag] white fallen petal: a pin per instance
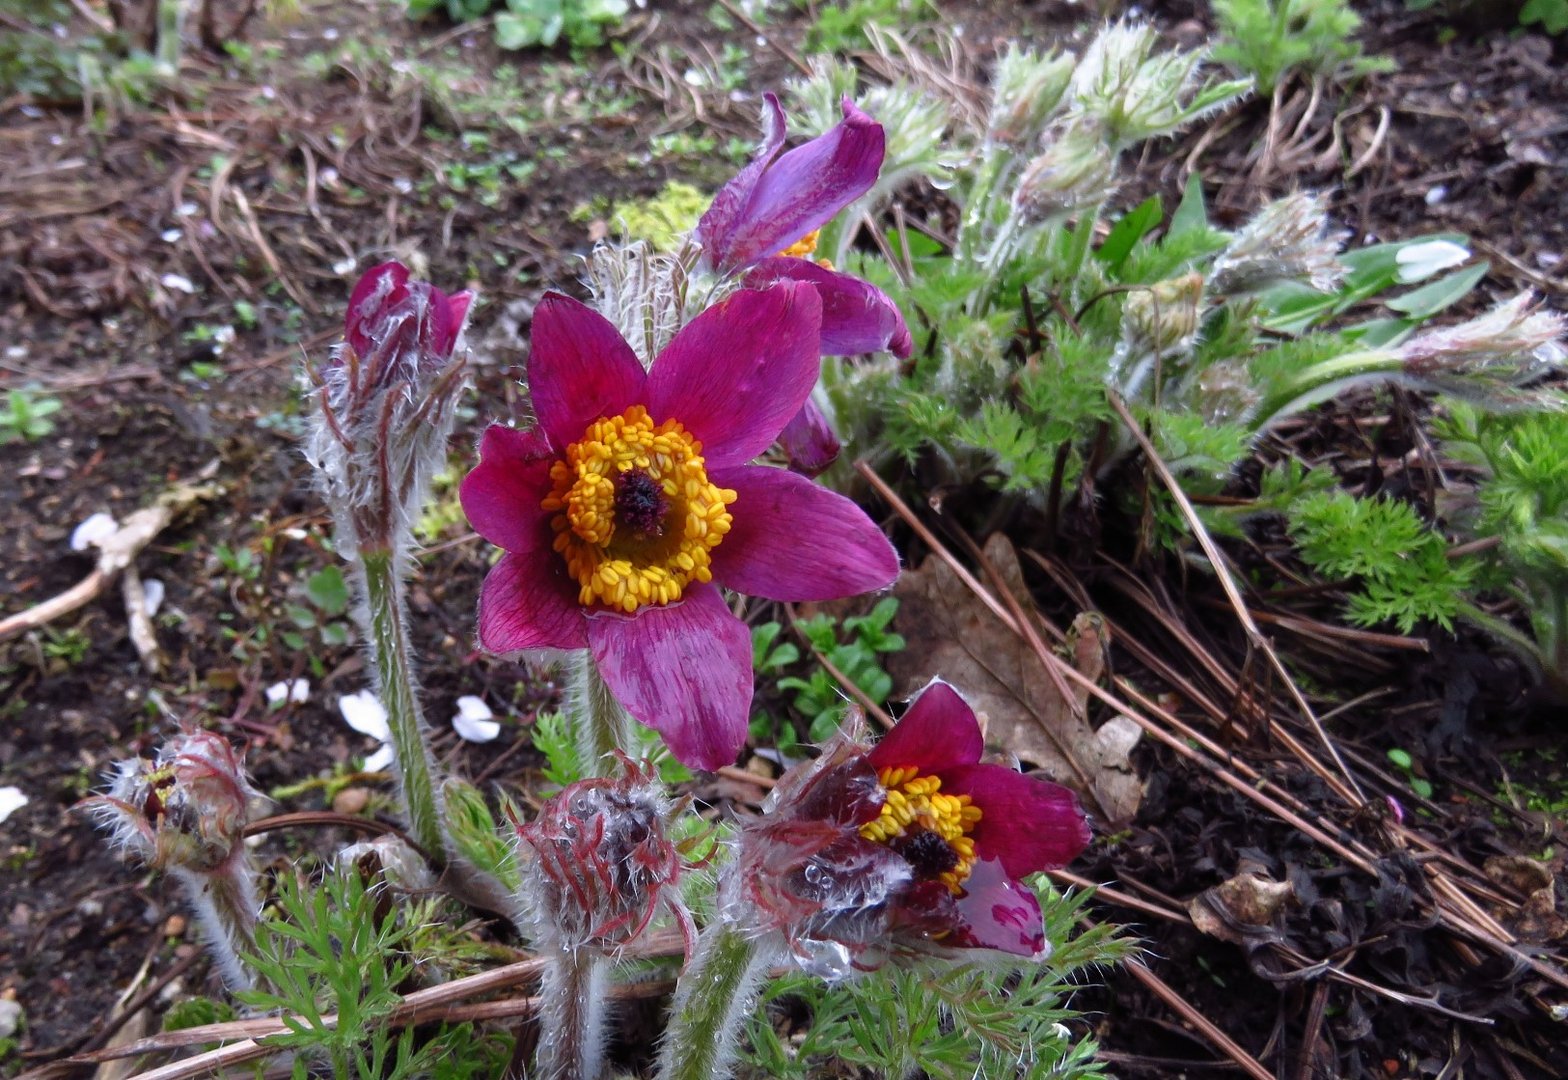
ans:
(93, 531)
(178, 282)
(473, 708)
(1417, 262)
(475, 728)
(382, 759)
(296, 691)
(11, 800)
(365, 714)
(152, 595)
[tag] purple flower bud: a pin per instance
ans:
(604, 863)
(387, 401)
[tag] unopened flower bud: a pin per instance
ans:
(1075, 172)
(1516, 335)
(1026, 89)
(1288, 240)
(1163, 318)
(387, 403)
(1226, 393)
(603, 863)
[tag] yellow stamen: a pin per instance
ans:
(803, 248)
(916, 802)
(617, 565)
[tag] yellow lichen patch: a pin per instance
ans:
(917, 803)
(635, 516)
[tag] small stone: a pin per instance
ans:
(174, 926)
(351, 800)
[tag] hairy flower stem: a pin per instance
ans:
(575, 992)
(386, 606)
(714, 997)
(225, 903)
(597, 719)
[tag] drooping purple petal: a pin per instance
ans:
(809, 440)
(793, 540)
(1027, 823)
(735, 374)
(796, 192)
(579, 368)
(683, 670)
(937, 733)
(857, 317)
(447, 314)
(847, 793)
(719, 223)
(501, 496)
(378, 289)
(528, 601)
(998, 912)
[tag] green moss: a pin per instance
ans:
(662, 220)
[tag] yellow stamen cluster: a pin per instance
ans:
(803, 248)
(917, 802)
(613, 563)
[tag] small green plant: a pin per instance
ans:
(1401, 760)
(1550, 15)
(1271, 40)
(1398, 563)
(335, 948)
(526, 24)
(841, 28)
(26, 415)
(325, 604)
(945, 1021)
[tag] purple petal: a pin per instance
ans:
(377, 289)
(447, 315)
(1028, 823)
(718, 224)
(847, 793)
(579, 369)
(809, 440)
(997, 912)
(793, 540)
(735, 374)
(857, 317)
(529, 602)
(800, 191)
(938, 732)
(684, 670)
(501, 496)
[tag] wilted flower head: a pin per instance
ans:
(911, 846)
(603, 862)
(387, 401)
(185, 810)
(633, 497)
(1515, 335)
(1076, 171)
(1287, 240)
(1163, 318)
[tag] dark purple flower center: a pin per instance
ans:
(640, 504)
(927, 853)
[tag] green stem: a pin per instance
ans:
(714, 997)
(389, 650)
(1295, 392)
(575, 990)
(597, 719)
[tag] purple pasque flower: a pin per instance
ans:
(765, 222)
(911, 846)
(633, 498)
(387, 402)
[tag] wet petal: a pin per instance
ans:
(1029, 823)
(857, 317)
(809, 440)
(794, 540)
(377, 290)
(802, 189)
(579, 368)
(997, 912)
(717, 227)
(738, 372)
(683, 670)
(528, 601)
(937, 732)
(501, 495)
